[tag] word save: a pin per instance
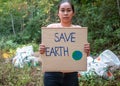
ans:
(63, 37)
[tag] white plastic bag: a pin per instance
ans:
(109, 58)
(28, 50)
(103, 65)
(24, 56)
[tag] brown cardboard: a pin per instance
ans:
(60, 44)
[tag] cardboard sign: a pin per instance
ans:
(64, 49)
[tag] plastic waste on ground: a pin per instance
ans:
(24, 56)
(109, 58)
(104, 65)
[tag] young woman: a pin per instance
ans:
(65, 14)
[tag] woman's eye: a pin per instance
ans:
(62, 10)
(68, 10)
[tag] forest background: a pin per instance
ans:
(21, 20)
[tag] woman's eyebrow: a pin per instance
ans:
(67, 8)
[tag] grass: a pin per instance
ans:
(27, 76)
(100, 81)
(32, 76)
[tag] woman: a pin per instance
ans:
(65, 14)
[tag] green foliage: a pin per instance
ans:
(11, 76)
(25, 18)
(32, 31)
(93, 80)
(7, 45)
(102, 20)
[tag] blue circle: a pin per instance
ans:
(77, 55)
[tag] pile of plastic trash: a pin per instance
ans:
(24, 56)
(104, 65)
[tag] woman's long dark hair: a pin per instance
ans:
(69, 1)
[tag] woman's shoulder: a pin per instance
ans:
(59, 25)
(76, 26)
(54, 25)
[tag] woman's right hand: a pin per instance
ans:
(42, 49)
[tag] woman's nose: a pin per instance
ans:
(65, 12)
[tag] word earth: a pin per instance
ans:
(57, 51)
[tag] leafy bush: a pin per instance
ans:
(7, 47)
(93, 80)
(11, 76)
(102, 20)
(26, 18)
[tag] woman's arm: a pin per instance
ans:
(42, 48)
(87, 48)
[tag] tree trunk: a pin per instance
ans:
(12, 21)
(118, 4)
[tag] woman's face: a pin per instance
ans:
(65, 12)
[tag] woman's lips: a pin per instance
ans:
(65, 17)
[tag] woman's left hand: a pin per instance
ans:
(87, 48)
